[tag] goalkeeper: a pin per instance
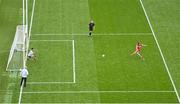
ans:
(31, 54)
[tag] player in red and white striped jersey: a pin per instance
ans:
(138, 50)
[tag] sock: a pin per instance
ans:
(89, 33)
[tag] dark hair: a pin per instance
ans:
(32, 48)
(138, 43)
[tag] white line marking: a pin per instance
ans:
(21, 90)
(59, 92)
(73, 53)
(49, 40)
(30, 28)
(20, 94)
(26, 16)
(74, 64)
(164, 61)
(85, 34)
(32, 17)
(50, 82)
(23, 15)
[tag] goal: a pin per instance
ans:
(17, 54)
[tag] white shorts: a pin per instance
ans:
(138, 54)
(30, 56)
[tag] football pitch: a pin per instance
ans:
(71, 67)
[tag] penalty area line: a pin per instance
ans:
(50, 83)
(60, 92)
(100, 34)
(49, 40)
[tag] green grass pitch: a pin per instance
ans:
(71, 67)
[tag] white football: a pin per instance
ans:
(103, 55)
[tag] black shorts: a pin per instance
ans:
(29, 57)
(90, 29)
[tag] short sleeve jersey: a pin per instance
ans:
(30, 53)
(91, 26)
(138, 47)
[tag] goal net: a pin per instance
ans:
(17, 54)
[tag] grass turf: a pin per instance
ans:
(10, 17)
(117, 71)
(166, 25)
